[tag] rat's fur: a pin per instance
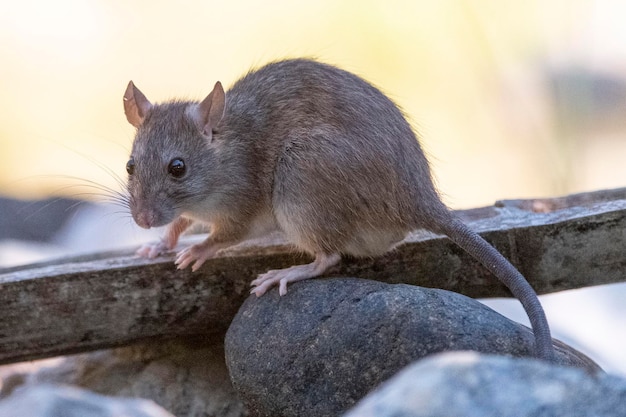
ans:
(304, 147)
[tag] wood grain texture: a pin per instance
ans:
(112, 299)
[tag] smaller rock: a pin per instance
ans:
(186, 377)
(469, 384)
(61, 401)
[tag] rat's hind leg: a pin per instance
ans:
(295, 273)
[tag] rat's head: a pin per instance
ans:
(173, 157)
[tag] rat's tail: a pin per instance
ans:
(493, 260)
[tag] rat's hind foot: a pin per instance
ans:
(282, 277)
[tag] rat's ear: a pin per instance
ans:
(210, 111)
(136, 105)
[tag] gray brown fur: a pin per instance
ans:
(307, 148)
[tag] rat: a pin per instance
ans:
(305, 148)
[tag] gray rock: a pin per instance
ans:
(468, 384)
(51, 401)
(325, 345)
(189, 379)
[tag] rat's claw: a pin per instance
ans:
(152, 250)
(269, 279)
(282, 288)
(264, 278)
(195, 254)
(183, 258)
(257, 291)
(262, 284)
(196, 265)
(143, 251)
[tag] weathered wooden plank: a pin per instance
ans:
(106, 300)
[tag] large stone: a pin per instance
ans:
(52, 401)
(189, 379)
(471, 385)
(325, 345)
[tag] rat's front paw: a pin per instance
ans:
(196, 254)
(152, 250)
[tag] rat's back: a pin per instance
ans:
(348, 171)
(350, 177)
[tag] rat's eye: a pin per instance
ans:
(176, 168)
(130, 166)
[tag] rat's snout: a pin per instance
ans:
(147, 209)
(147, 215)
(146, 218)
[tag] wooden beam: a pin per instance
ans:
(112, 299)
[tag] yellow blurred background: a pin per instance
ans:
(512, 98)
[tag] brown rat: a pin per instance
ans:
(302, 147)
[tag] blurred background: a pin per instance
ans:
(513, 99)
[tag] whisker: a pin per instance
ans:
(47, 205)
(104, 168)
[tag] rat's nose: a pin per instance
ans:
(145, 218)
